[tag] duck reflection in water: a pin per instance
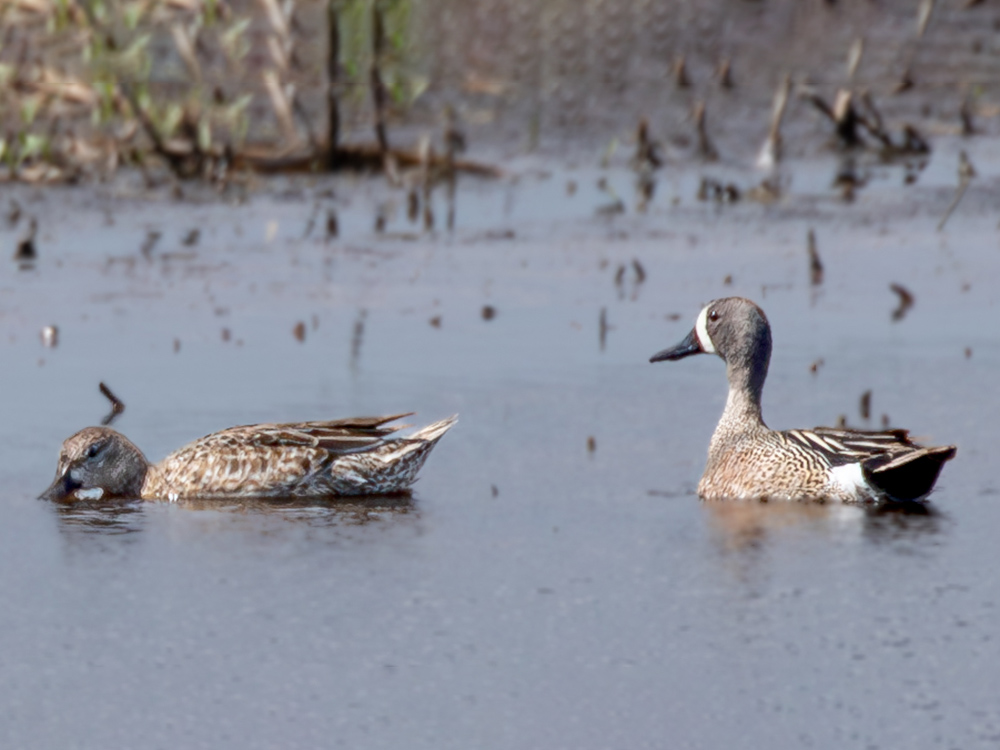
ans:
(749, 525)
(110, 517)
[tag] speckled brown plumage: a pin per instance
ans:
(307, 459)
(749, 461)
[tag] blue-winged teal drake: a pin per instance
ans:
(306, 459)
(749, 461)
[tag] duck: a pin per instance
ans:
(749, 461)
(353, 456)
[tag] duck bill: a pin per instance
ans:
(690, 345)
(60, 490)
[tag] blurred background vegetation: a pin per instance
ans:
(89, 85)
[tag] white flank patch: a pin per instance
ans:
(849, 478)
(701, 328)
(94, 493)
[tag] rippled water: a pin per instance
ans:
(533, 592)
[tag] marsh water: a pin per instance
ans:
(554, 582)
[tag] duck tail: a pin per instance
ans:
(908, 476)
(433, 432)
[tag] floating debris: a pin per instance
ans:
(494, 491)
(603, 328)
(299, 331)
(815, 265)
(710, 189)
(26, 253)
(865, 405)
(728, 280)
(886, 421)
(640, 272)
(591, 444)
(117, 406)
(814, 367)
(226, 334)
(968, 352)
(435, 321)
(177, 345)
(191, 238)
(489, 312)
(906, 301)
(50, 337)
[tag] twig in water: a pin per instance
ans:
(905, 302)
(117, 406)
(358, 337)
(924, 16)
(454, 143)
(724, 73)
(854, 55)
(965, 114)
(332, 226)
(865, 405)
(965, 174)
(426, 156)
(705, 146)
(770, 153)
(680, 73)
(815, 265)
(646, 149)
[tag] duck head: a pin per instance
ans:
(95, 463)
(735, 329)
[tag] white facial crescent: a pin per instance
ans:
(701, 328)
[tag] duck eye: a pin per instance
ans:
(713, 315)
(93, 450)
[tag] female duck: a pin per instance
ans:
(307, 459)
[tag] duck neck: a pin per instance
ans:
(742, 413)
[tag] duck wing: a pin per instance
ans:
(265, 459)
(891, 462)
